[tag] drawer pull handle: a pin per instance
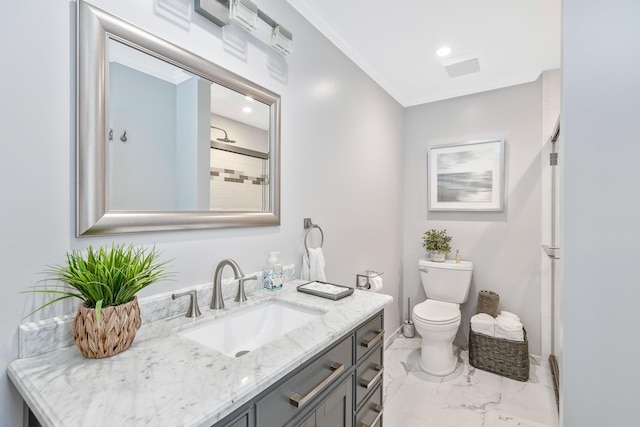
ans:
(372, 341)
(299, 401)
(370, 383)
(379, 409)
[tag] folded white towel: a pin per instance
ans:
(483, 323)
(483, 317)
(509, 314)
(509, 327)
(508, 323)
(313, 265)
(509, 335)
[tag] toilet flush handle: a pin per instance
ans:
(424, 270)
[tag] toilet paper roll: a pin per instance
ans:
(375, 283)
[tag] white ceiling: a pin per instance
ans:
(395, 42)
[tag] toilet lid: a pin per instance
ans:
(432, 311)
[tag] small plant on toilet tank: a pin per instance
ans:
(436, 242)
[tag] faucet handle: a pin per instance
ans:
(241, 296)
(193, 310)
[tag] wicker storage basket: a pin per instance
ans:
(117, 329)
(500, 356)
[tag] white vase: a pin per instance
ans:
(438, 256)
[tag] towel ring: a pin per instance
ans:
(306, 248)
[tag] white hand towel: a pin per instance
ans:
(483, 323)
(316, 265)
(304, 272)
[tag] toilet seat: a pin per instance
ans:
(434, 312)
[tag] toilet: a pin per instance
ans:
(438, 318)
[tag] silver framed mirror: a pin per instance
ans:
(160, 143)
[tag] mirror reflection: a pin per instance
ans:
(179, 142)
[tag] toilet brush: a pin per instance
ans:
(408, 329)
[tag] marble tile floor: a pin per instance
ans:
(468, 397)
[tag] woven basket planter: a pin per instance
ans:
(117, 329)
(500, 356)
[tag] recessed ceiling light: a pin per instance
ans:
(443, 51)
(247, 109)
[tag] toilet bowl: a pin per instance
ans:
(437, 319)
(437, 322)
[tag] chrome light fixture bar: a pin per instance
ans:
(281, 38)
(214, 10)
(246, 14)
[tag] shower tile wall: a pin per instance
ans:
(237, 182)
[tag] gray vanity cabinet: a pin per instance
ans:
(335, 410)
(245, 419)
(370, 413)
(299, 392)
(369, 372)
(337, 388)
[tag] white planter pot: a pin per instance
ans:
(438, 256)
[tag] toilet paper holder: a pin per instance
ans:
(369, 274)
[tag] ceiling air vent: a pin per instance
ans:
(457, 69)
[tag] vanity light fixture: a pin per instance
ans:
(281, 40)
(244, 13)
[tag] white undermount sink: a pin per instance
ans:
(245, 329)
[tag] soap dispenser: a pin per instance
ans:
(272, 278)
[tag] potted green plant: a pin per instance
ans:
(107, 281)
(436, 242)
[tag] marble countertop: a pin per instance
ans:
(167, 379)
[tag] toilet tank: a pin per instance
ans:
(446, 281)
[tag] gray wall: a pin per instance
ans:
(601, 134)
(341, 158)
(505, 246)
(150, 140)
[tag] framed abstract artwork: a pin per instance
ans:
(466, 177)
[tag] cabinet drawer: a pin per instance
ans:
(297, 393)
(368, 336)
(241, 422)
(370, 414)
(335, 411)
(369, 374)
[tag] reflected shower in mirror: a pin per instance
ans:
(166, 139)
(173, 119)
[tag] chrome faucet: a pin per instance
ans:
(192, 310)
(217, 300)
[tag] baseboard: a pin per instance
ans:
(392, 337)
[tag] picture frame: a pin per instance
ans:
(468, 176)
